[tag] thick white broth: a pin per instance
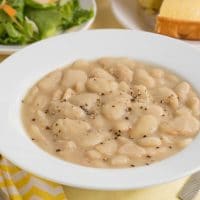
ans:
(111, 112)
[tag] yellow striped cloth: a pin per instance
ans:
(18, 184)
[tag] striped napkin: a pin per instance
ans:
(18, 184)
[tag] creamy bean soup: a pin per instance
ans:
(112, 112)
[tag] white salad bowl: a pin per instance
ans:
(85, 4)
(21, 70)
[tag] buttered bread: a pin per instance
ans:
(176, 18)
(179, 19)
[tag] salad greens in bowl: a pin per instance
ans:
(26, 21)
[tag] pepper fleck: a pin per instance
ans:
(47, 128)
(32, 138)
(132, 165)
(33, 119)
(58, 150)
(126, 118)
(146, 163)
(148, 156)
(157, 147)
(129, 109)
(144, 136)
(170, 147)
(161, 101)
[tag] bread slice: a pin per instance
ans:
(179, 19)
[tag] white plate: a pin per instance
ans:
(132, 16)
(86, 4)
(24, 68)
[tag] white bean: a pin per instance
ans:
(181, 125)
(123, 86)
(67, 109)
(57, 95)
(141, 94)
(157, 73)
(80, 86)
(71, 146)
(150, 141)
(182, 90)
(123, 73)
(41, 101)
(120, 160)
(101, 85)
(108, 148)
(194, 104)
(114, 110)
(167, 139)
(88, 100)
(101, 73)
(74, 128)
(38, 136)
(68, 94)
(146, 125)
(154, 110)
(71, 77)
(93, 154)
(124, 140)
(142, 77)
(152, 151)
(92, 138)
(183, 111)
(167, 95)
(132, 149)
(42, 119)
(99, 122)
(51, 81)
(122, 125)
(82, 65)
(184, 142)
(110, 63)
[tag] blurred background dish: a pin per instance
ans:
(133, 16)
(82, 19)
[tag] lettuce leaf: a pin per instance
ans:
(47, 20)
(36, 4)
(73, 14)
(36, 23)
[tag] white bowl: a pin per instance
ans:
(24, 68)
(85, 4)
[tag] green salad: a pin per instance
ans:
(26, 21)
